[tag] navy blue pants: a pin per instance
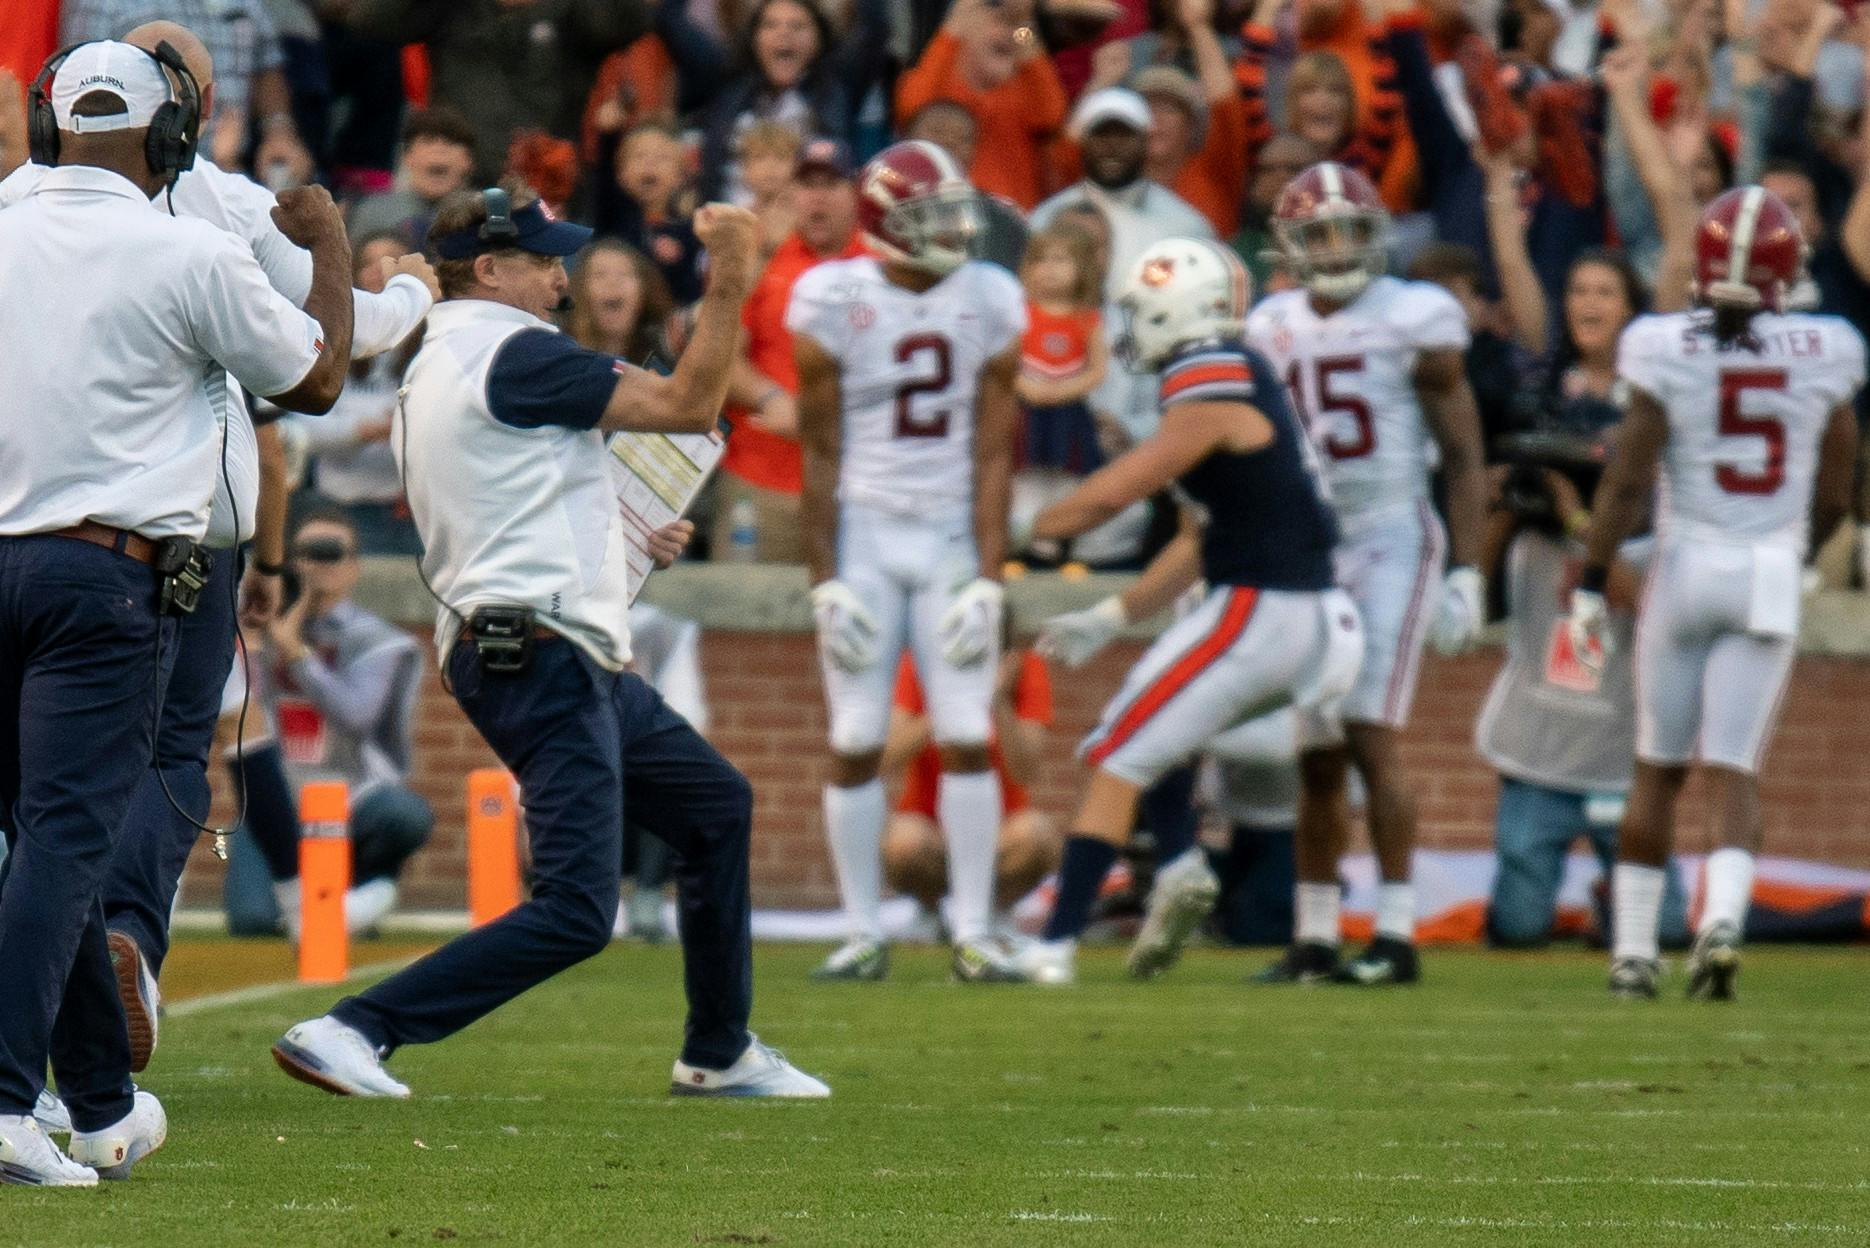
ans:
(153, 849)
(588, 745)
(79, 682)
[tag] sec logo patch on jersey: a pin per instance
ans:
(863, 316)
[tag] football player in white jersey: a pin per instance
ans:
(906, 363)
(1375, 365)
(1738, 421)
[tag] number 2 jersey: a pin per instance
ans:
(1351, 374)
(1745, 420)
(909, 368)
(1268, 525)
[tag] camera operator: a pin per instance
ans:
(1560, 730)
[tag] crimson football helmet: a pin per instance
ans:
(1333, 230)
(916, 208)
(1749, 252)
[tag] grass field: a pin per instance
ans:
(1505, 1101)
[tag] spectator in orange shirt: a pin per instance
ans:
(763, 464)
(988, 59)
(1348, 104)
(915, 856)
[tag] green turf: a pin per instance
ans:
(1505, 1101)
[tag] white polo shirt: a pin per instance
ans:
(114, 318)
(244, 208)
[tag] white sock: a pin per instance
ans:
(854, 827)
(1730, 889)
(1636, 910)
(1317, 908)
(1396, 911)
(968, 805)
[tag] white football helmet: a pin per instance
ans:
(1181, 291)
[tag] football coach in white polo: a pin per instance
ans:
(501, 439)
(113, 315)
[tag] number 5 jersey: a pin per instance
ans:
(1745, 419)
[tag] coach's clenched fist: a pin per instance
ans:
(308, 217)
(732, 237)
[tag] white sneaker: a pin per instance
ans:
(28, 1157)
(286, 895)
(113, 1150)
(327, 1054)
(366, 905)
(142, 1000)
(1052, 962)
(761, 1071)
(51, 1114)
(1179, 902)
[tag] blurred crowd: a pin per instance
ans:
(1545, 160)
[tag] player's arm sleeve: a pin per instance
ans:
(1640, 359)
(244, 324)
(539, 378)
(1010, 313)
(1213, 377)
(1433, 320)
(813, 312)
(1848, 349)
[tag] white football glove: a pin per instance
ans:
(1074, 637)
(1589, 629)
(1462, 611)
(847, 632)
(971, 624)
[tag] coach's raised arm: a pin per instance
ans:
(113, 318)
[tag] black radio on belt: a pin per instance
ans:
(502, 637)
(182, 570)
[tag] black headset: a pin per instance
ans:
(498, 227)
(174, 131)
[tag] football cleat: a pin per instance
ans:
(1634, 979)
(1179, 902)
(28, 1157)
(112, 1151)
(1304, 963)
(1714, 964)
(136, 988)
(761, 1071)
(984, 962)
(866, 960)
(1051, 962)
(52, 1116)
(1386, 961)
(327, 1054)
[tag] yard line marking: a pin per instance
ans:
(266, 992)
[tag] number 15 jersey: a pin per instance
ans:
(1351, 374)
(909, 369)
(1745, 420)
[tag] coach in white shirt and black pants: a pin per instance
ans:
(114, 314)
(152, 851)
(500, 437)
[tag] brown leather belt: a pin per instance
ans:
(122, 541)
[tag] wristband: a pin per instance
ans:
(1594, 578)
(268, 569)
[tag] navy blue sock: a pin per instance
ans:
(1168, 811)
(1087, 861)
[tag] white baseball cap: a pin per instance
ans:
(129, 73)
(1109, 104)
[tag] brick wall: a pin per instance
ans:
(769, 719)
